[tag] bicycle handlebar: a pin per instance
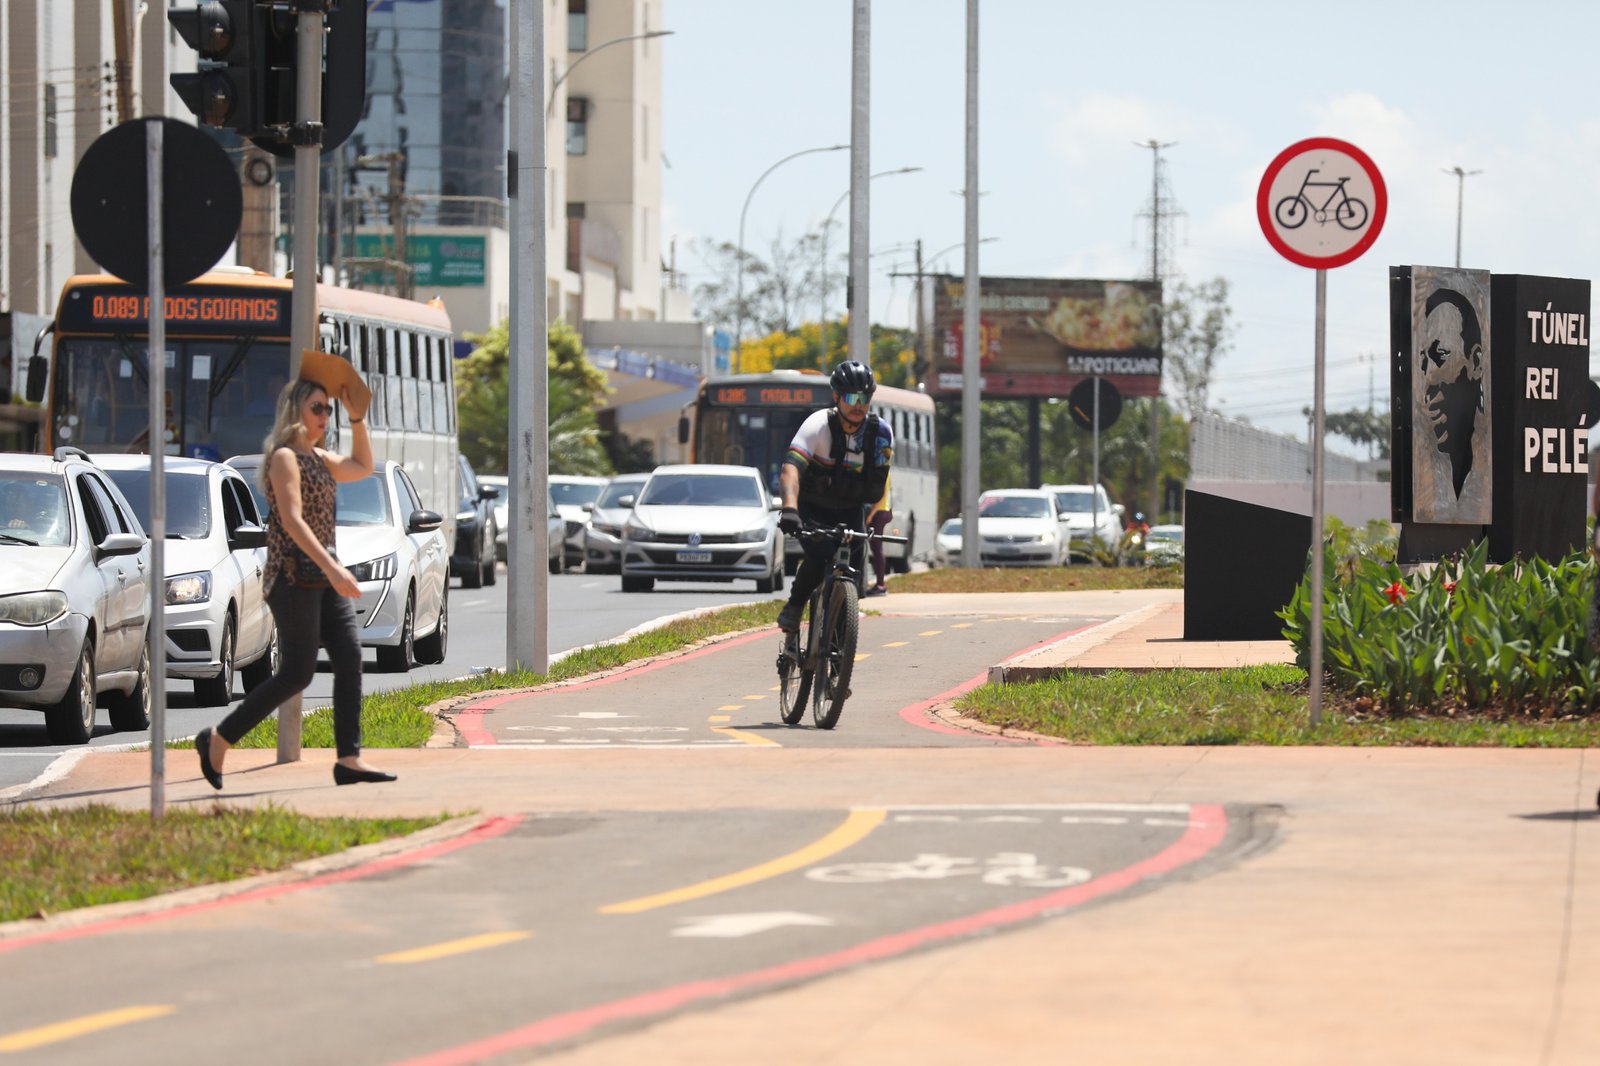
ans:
(844, 533)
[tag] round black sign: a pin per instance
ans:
(200, 196)
(1080, 404)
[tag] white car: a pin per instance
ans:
(217, 620)
(947, 543)
(1163, 546)
(573, 493)
(557, 530)
(1020, 527)
(396, 550)
(602, 535)
(1091, 520)
(74, 596)
(703, 522)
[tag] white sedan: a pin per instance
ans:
(702, 522)
(1020, 527)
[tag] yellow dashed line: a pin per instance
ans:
(962, 625)
(852, 829)
(746, 738)
(757, 696)
(28, 1039)
(863, 655)
(720, 718)
(454, 947)
(896, 644)
(731, 707)
(930, 632)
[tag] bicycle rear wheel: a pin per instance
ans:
(794, 681)
(837, 657)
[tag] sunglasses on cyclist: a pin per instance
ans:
(852, 399)
(321, 410)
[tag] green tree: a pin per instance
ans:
(1197, 331)
(576, 388)
(1360, 427)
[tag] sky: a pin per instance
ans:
(1067, 92)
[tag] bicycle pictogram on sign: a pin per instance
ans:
(1349, 212)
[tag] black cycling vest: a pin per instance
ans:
(842, 487)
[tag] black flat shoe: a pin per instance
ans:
(202, 744)
(344, 775)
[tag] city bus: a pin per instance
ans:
(227, 358)
(749, 420)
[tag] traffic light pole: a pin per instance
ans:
(303, 329)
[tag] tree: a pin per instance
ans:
(1197, 332)
(778, 292)
(576, 388)
(1360, 427)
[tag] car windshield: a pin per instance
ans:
(702, 490)
(188, 501)
(362, 503)
(616, 491)
(1173, 535)
(576, 493)
(951, 528)
(1014, 507)
(1081, 500)
(33, 510)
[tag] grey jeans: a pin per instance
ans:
(308, 619)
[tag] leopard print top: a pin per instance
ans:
(316, 507)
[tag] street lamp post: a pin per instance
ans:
(738, 292)
(549, 107)
(1461, 182)
(822, 277)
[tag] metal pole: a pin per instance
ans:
(1094, 477)
(1461, 187)
(971, 342)
(859, 337)
(303, 328)
(528, 598)
(155, 359)
(1318, 400)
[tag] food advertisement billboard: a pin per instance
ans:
(1041, 336)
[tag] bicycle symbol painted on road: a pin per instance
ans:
(1006, 869)
(1292, 211)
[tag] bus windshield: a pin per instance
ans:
(220, 394)
(749, 436)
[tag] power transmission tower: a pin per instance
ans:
(1161, 211)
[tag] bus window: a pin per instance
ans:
(425, 385)
(388, 366)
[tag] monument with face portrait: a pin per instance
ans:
(1489, 419)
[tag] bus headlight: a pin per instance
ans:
(189, 588)
(33, 608)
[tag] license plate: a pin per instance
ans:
(694, 557)
(1007, 549)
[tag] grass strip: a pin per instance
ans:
(1265, 705)
(1039, 579)
(61, 858)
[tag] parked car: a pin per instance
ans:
(1092, 521)
(602, 534)
(74, 596)
(1163, 546)
(217, 620)
(947, 543)
(571, 493)
(1020, 527)
(396, 551)
(556, 532)
(703, 522)
(476, 532)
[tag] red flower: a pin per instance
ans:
(1449, 587)
(1396, 593)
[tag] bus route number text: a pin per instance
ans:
(130, 308)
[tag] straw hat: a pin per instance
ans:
(334, 374)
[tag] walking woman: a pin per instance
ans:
(307, 589)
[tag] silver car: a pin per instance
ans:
(602, 534)
(397, 553)
(74, 596)
(573, 493)
(217, 620)
(703, 522)
(556, 525)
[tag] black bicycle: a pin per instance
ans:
(1349, 212)
(819, 667)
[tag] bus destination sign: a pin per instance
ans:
(94, 309)
(769, 395)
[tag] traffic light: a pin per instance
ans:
(228, 88)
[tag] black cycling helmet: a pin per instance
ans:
(852, 376)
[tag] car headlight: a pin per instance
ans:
(633, 532)
(33, 608)
(606, 528)
(758, 533)
(377, 569)
(189, 588)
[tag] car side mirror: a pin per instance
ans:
(588, 508)
(626, 502)
(424, 521)
(247, 536)
(1118, 510)
(119, 544)
(488, 492)
(1062, 516)
(775, 505)
(683, 429)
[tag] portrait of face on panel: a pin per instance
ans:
(1450, 411)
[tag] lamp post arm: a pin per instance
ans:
(549, 107)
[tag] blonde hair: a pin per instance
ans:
(287, 429)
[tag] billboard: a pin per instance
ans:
(1042, 336)
(441, 260)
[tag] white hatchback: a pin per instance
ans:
(1020, 527)
(702, 522)
(1092, 522)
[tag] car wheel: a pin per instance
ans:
(130, 711)
(218, 691)
(901, 564)
(472, 576)
(431, 648)
(486, 556)
(773, 581)
(401, 657)
(264, 667)
(72, 720)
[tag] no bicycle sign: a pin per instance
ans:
(1321, 203)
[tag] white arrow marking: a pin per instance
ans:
(732, 925)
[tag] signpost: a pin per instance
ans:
(1321, 204)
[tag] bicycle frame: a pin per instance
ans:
(1336, 187)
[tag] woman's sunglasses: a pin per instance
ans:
(321, 410)
(852, 399)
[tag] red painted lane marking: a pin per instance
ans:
(1208, 825)
(920, 714)
(488, 829)
(470, 719)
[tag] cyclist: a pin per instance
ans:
(836, 467)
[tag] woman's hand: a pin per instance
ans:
(350, 406)
(343, 582)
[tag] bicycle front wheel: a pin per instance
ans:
(794, 680)
(1352, 214)
(837, 658)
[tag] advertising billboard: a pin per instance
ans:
(1042, 336)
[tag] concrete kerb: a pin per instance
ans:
(1049, 662)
